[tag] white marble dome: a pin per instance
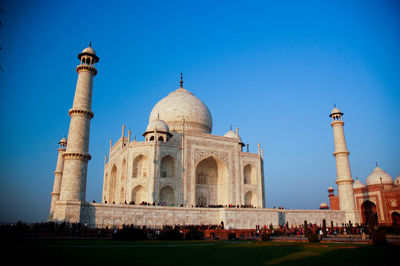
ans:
(376, 175)
(182, 104)
(157, 125)
(358, 184)
(324, 205)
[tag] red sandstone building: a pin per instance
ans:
(378, 201)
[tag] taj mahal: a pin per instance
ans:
(183, 174)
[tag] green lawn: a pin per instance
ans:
(108, 252)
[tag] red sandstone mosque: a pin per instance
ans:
(378, 201)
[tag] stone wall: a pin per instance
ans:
(115, 215)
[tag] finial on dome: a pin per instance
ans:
(376, 163)
(181, 81)
(334, 105)
(90, 44)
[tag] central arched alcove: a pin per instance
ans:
(139, 194)
(167, 196)
(167, 167)
(211, 182)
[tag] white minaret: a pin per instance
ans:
(76, 156)
(344, 180)
(55, 195)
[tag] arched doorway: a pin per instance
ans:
(211, 182)
(113, 184)
(248, 174)
(105, 191)
(140, 167)
(167, 196)
(248, 198)
(396, 219)
(368, 213)
(167, 168)
(122, 196)
(139, 194)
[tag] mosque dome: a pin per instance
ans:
(376, 175)
(358, 184)
(397, 181)
(182, 104)
(63, 140)
(157, 125)
(324, 206)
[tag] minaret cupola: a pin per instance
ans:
(336, 114)
(88, 58)
(63, 143)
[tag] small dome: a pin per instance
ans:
(376, 175)
(63, 141)
(358, 184)
(157, 125)
(232, 134)
(323, 206)
(330, 189)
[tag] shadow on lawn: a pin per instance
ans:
(197, 253)
(340, 255)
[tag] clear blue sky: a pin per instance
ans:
(273, 68)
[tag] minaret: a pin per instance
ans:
(344, 180)
(76, 156)
(55, 195)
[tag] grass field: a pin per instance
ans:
(109, 252)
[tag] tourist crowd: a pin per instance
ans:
(145, 203)
(83, 230)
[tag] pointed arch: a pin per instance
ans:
(249, 175)
(248, 198)
(122, 196)
(139, 194)
(140, 167)
(167, 195)
(167, 167)
(105, 191)
(212, 186)
(113, 184)
(123, 172)
(395, 219)
(369, 213)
